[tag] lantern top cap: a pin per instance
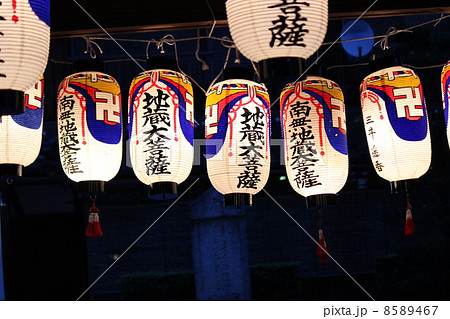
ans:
(384, 59)
(236, 81)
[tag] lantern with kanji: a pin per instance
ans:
(21, 134)
(396, 124)
(24, 47)
(445, 79)
(315, 138)
(161, 130)
(265, 29)
(90, 127)
(237, 129)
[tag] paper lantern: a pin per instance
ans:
(315, 138)
(21, 135)
(396, 123)
(237, 129)
(445, 79)
(161, 130)
(90, 126)
(24, 43)
(264, 29)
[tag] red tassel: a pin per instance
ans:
(322, 249)
(94, 229)
(410, 227)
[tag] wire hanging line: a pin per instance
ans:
(392, 32)
(170, 40)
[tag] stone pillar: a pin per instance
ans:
(219, 246)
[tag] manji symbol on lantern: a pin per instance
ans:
(90, 126)
(264, 29)
(24, 46)
(237, 129)
(161, 130)
(315, 138)
(445, 79)
(396, 124)
(21, 135)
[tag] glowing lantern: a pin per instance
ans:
(90, 127)
(24, 43)
(161, 129)
(445, 79)
(264, 29)
(237, 129)
(396, 124)
(315, 138)
(21, 135)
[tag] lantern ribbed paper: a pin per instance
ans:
(237, 129)
(445, 79)
(90, 126)
(263, 29)
(24, 42)
(396, 123)
(161, 126)
(315, 136)
(21, 135)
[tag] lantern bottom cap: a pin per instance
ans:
(11, 170)
(237, 199)
(404, 186)
(91, 187)
(12, 102)
(163, 191)
(321, 200)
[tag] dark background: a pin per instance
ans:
(47, 257)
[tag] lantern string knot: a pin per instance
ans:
(167, 39)
(384, 41)
(90, 48)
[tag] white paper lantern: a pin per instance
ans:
(237, 129)
(21, 135)
(24, 42)
(263, 29)
(445, 79)
(90, 126)
(396, 123)
(315, 136)
(161, 128)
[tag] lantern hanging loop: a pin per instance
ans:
(9, 181)
(90, 47)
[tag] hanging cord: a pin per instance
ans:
(214, 19)
(205, 66)
(94, 229)
(438, 21)
(148, 47)
(322, 249)
(229, 46)
(90, 47)
(410, 227)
